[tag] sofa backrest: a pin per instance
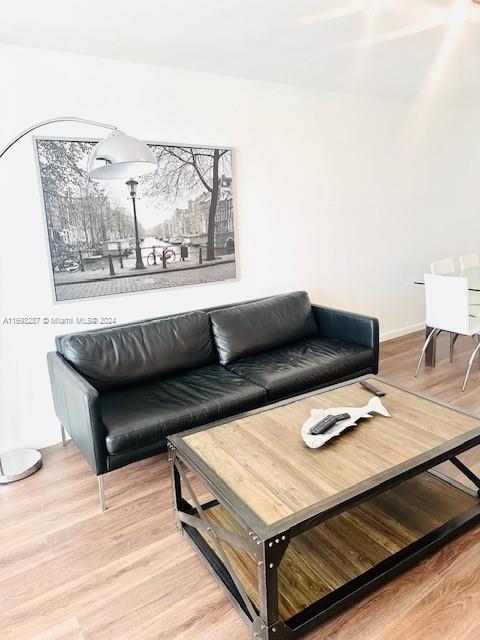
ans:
(261, 325)
(120, 356)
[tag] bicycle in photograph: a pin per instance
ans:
(66, 263)
(160, 255)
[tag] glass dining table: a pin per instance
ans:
(472, 275)
(473, 278)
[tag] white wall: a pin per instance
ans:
(329, 198)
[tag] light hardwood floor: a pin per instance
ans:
(68, 572)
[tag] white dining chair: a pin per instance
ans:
(469, 261)
(443, 267)
(447, 309)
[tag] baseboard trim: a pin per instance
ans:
(403, 331)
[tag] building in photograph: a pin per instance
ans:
(192, 222)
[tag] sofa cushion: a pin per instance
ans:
(304, 365)
(254, 327)
(128, 354)
(141, 415)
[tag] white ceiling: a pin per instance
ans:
(392, 48)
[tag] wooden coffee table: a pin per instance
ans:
(293, 534)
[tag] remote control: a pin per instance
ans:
(372, 389)
(327, 423)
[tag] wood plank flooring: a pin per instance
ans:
(69, 572)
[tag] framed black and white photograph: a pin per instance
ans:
(174, 227)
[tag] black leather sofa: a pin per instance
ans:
(120, 391)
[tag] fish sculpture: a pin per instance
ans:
(356, 413)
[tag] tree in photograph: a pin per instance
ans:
(81, 214)
(60, 164)
(186, 170)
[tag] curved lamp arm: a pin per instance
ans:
(51, 121)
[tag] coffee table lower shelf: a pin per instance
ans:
(334, 564)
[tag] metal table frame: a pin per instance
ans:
(267, 544)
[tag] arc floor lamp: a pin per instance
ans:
(115, 157)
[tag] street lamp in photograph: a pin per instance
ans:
(132, 188)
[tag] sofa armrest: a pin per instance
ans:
(78, 409)
(351, 327)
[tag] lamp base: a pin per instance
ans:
(18, 464)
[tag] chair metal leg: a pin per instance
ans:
(432, 333)
(64, 439)
(101, 492)
(431, 352)
(453, 338)
(470, 363)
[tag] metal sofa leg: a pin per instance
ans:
(101, 493)
(432, 333)
(64, 439)
(470, 363)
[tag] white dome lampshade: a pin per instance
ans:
(120, 156)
